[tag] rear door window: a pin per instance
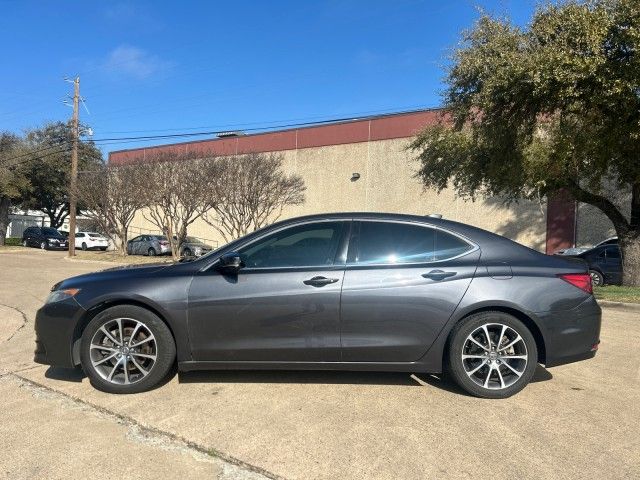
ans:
(389, 243)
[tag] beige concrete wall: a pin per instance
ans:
(387, 184)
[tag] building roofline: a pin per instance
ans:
(395, 128)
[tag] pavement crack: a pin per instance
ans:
(25, 319)
(233, 468)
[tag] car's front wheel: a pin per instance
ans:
(43, 245)
(492, 355)
(127, 349)
(151, 252)
(84, 246)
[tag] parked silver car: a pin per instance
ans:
(192, 247)
(149, 245)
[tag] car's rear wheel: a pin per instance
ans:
(597, 279)
(151, 252)
(25, 243)
(127, 349)
(492, 355)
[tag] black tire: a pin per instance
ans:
(25, 243)
(104, 249)
(597, 279)
(164, 343)
(455, 365)
(151, 252)
(43, 245)
(84, 246)
(187, 252)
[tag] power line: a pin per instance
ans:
(144, 138)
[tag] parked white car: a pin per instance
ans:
(91, 240)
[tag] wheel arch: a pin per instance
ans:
(104, 305)
(520, 315)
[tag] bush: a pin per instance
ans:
(12, 241)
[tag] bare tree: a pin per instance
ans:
(178, 191)
(248, 192)
(112, 196)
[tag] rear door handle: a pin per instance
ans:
(438, 274)
(320, 281)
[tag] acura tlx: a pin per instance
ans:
(345, 291)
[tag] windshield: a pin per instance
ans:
(51, 231)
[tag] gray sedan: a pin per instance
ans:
(151, 245)
(192, 247)
(350, 291)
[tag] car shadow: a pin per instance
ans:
(65, 374)
(336, 378)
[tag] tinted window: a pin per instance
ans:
(449, 246)
(305, 245)
(391, 243)
(388, 243)
(137, 239)
(613, 253)
(50, 231)
(79, 235)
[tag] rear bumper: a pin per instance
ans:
(55, 328)
(571, 335)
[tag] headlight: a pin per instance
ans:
(60, 295)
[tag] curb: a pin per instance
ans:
(621, 305)
(99, 262)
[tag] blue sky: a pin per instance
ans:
(168, 67)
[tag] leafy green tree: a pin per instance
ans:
(12, 181)
(49, 169)
(551, 107)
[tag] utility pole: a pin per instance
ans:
(73, 201)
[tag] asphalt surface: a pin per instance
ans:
(575, 421)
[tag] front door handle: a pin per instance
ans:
(438, 274)
(320, 281)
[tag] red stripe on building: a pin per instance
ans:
(385, 127)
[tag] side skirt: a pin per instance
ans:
(348, 366)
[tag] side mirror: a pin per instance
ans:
(231, 262)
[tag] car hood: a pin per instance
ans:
(115, 274)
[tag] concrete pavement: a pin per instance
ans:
(574, 421)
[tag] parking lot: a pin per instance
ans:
(574, 421)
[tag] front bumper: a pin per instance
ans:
(571, 335)
(55, 329)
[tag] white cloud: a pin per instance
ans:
(134, 62)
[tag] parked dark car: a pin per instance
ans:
(337, 291)
(45, 238)
(605, 263)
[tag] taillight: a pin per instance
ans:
(580, 280)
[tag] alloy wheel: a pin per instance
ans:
(596, 278)
(123, 351)
(494, 356)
